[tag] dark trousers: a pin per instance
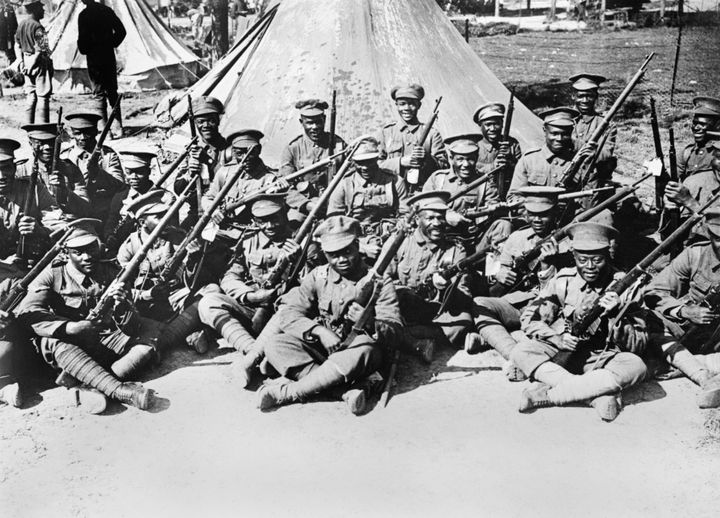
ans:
(102, 71)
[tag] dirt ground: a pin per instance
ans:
(450, 442)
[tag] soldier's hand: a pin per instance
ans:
(27, 225)
(291, 249)
(609, 301)
(587, 150)
(548, 249)
(668, 203)
(407, 162)
(279, 185)
(678, 193)
(158, 292)
(370, 248)
(698, 314)
(82, 328)
(329, 340)
(354, 311)
(501, 160)
(418, 155)
(569, 342)
(506, 276)
(5, 319)
(454, 218)
(218, 217)
(194, 246)
(117, 291)
(261, 296)
(439, 281)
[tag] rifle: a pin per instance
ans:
(673, 215)
(105, 132)
(474, 184)
(333, 122)
(509, 206)
(369, 292)
(413, 175)
(58, 191)
(581, 326)
(193, 134)
(27, 206)
(522, 264)
(696, 331)
(176, 163)
(129, 271)
(232, 207)
(173, 265)
(18, 291)
(505, 139)
(662, 179)
(568, 176)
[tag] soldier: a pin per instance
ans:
(11, 344)
(36, 62)
(546, 165)
(493, 152)
(696, 190)
(420, 287)
(100, 32)
(591, 368)
(681, 298)
(401, 151)
(308, 351)
(99, 355)
(462, 152)
(13, 195)
(314, 144)
(233, 312)
(137, 163)
(370, 195)
(696, 157)
(211, 152)
(103, 178)
(499, 316)
(65, 183)
(8, 27)
(585, 94)
(161, 301)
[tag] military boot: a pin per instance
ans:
(513, 372)
(607, 407)
(497, 337)
(246, 368)
(709, 396)
(318, 380)
(136, 359)
(356, 397)
(535, 397)
(474, 343)
(90, 400)
(134, 394)
(77, 364)
(235, 334)
(198, 341)
(10, 395)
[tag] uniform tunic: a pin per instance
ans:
(369, 200)
(537, 167)
(488, 152)
(100, 32)
(446, 180)
(702, 186)
(694, 159)
(46, 214)
(398, 139)
(302, 152)
(213, 155)
(248, 182)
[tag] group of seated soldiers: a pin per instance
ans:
(290, 306)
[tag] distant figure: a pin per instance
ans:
(100, 32)
(36, 62)
(8, 27)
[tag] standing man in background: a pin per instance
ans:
(35, 61)
(8, 26)
(100, 32)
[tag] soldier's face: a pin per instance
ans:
(715, 162)
(208, 125)
(85, 258)
(151, 221)
(541, 222)
(252, 160)
(313, 126)
(43, 149)
(591, 266)
(408, 109)
(273, 226)
(84, 138)
(558, 139)
(138, 178)
(464, 165)
(432, 224)
(344, 261)
(585, 101)
(491, 128)
(700, 126)
(7, 176)
(365, 167)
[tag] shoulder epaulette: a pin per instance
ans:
(568, 271)
(296, 139)
(532, 150)
(390, 124)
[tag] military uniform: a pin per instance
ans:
(32, 39)
(697, 157)
(12, 345)
(601, 365)
(538, 167)
(321, 301)
(302, 152)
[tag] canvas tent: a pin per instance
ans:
(150, 58)
(361, 48)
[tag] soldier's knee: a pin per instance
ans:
(628, 369)
(212, 306)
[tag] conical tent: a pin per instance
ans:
(149, 58)
(360, 48)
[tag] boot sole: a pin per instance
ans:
(607, 410)
(11, 395)
(145, 399)
(266, 401)
(356, 401)
(709, 398)
(90, 400)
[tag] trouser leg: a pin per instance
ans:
(495, 317)
(229, 318)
